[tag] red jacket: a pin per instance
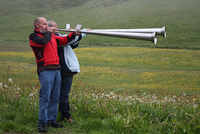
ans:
(44, 47)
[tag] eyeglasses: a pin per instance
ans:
(54, 25)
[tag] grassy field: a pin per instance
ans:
(181, 18)
(120, 90)
(127, 68)
(125, 86)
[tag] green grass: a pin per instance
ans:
(103, 112)
(181, 18)
(124, 68)
(140, 69)
(125, 85)
(119, 90)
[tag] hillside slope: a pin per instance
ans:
(181, 18)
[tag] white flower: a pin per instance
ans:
(5, 85)
(9, 80)
(93, 94)
(31, 94)
(184, 94)
(195, 106)
(111, 93)
(1, 85)
(113, 97)
(102, 95)
(107, 95)
(173, 100)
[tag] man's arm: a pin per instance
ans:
(68, 38)
(73, 43)
(40, 40)
(64, 40)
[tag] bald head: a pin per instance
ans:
(38, 20)
(40, 23)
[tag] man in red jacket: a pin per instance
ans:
(44, 45)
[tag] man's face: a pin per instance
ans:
(55, 26)
(42, 25)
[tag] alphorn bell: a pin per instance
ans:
(139, 36)
(159, 31)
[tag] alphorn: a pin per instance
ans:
(139, 36)
(159, 31)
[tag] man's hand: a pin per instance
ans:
(77, 33)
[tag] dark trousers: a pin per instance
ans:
(64, 106)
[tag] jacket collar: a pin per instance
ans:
(57, 34)
(37, 31)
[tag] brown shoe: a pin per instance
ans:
(70, 120)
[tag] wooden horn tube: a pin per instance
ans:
(159, 31)
(139, 36)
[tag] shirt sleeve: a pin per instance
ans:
(40, 40)
(64, 40)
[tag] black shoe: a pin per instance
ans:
(42, 128)
(55, 124)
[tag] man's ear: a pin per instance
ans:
(37, 25)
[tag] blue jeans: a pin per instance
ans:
(50, 81)
(64, 106)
